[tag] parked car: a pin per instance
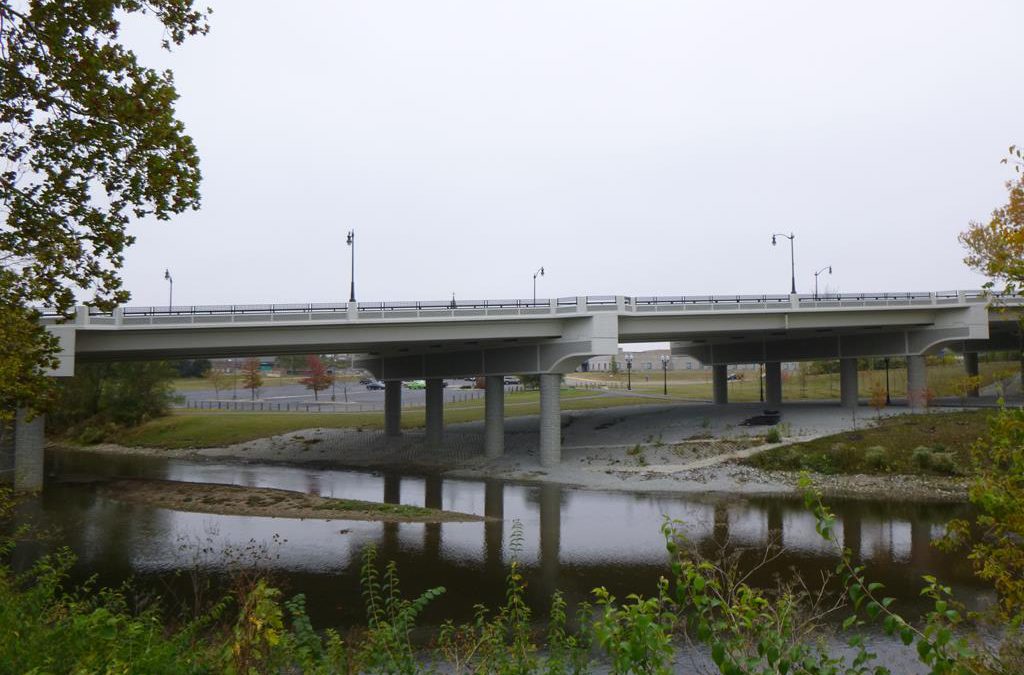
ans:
(416, 384)
(366, 380)
(511, 379)
(374, 385)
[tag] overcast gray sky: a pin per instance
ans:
(641, 147)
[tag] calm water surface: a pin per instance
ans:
(572, 539)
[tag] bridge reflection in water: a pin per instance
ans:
(571, 539)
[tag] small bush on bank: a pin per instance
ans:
(773, 436)
(877, 458)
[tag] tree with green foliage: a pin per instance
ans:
(103, 396)
(192, 367)
(88, 141)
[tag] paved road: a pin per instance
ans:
(347, 396)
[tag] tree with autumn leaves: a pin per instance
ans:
(319, 378)
(89, 142)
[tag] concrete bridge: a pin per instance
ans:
(492, 338)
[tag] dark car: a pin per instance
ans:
(374, 385)
(366, 380)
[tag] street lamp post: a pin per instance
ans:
(665, 358)
(170, 291)
(760, 381)
(539, 272)
(827, 267)
(351, 241)
(792, 259)
(629, 372)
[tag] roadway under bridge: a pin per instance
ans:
(435, 340)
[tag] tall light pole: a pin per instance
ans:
(665, 358)
(351, 241)
(629, 371)
(539, 272)
(170, 291)
(827, 267)
(792, 259)
(888, 399)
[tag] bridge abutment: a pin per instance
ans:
(550, 419)
(494, 416)
(848, 392)
(393, 408)
(773, 383)
(720, 383)
(435, 412)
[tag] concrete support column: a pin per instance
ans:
(435, 412)
(848, 393)
(773, 383)
(971, 370)
(494, 416)
(433, 495)
(29, 440)
(720, 383)
(550, 419)
(393, 408)
(917, 381)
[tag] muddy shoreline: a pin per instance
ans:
(235, 500)
(707, 469)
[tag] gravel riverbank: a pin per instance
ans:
(675, 449)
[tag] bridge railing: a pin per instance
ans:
(327, 311)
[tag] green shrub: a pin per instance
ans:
(876, 458)
(944, 463)
(922, 457)
(773, 436)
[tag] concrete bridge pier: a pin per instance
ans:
(435, 412)
(21, 450)
(494, 417)
(393, 408)
(550, 419)
(917, 382)
(720, 383)
(773, 383)
(971, 370)
(848, 394)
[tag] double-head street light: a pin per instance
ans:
(170, 291)
(351, 241)
(665, 359)
(827, 267)
(536, 274)
(792, 263)
(629, 371)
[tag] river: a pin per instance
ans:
(570, 539)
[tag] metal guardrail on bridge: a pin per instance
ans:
(177, 314)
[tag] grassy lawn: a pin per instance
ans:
(213, 428)
(696, 384)
(935, 443)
